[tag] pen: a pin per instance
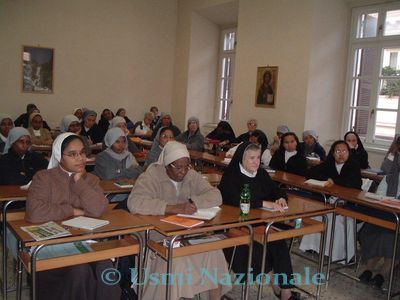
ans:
(190, 200)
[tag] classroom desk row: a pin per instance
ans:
(238, 231)
(353, 196)
(12, 193)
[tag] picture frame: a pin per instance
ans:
(37, 69)
(266, 86)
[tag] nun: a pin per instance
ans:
(192, 137)
(116, 162)
(18, 164)
(165, 188)
(6, 124)
(244, 168)
(63, 191)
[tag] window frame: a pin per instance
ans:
(379, 43)
(225, 54)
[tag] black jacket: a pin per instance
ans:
(361, 156)
(350, 175)
(297, 164)
(18, 171)
(94, 133)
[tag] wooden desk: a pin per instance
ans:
(141, 143)
(12, 193)
(353, 196)
(299, 207)
(208, 158)
(121, 223)
(226, 219)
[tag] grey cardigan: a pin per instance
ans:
(108, 167)
(192, 142)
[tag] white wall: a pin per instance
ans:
(202, 72)
(274, 33)
(107, 54)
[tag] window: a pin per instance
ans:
(373, 85)
(225, 72)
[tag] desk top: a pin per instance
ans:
(345, 193)
(121, 222)
(208, 158)
(228, 217)
(14, 192)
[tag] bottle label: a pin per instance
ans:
(244, 208)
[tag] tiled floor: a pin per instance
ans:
(340, 287)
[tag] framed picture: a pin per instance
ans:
(266, 87)
(37, 69)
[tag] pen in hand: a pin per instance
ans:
(191, 207)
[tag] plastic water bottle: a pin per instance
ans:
(245, 200)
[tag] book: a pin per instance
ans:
(377, 197)
(181, 221)
(273, 209)
(85, 223)
(206, 239)
(203, 213)
(65, 249)
(46, 231)
(123, 184)
(395, 203)
(316, 182)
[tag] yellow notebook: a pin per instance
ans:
(181, 221)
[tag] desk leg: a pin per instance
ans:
(264, 258)
(322, 254)
(19, 273)
(249, 259)
(169, 267)
(5, 250)
(140, 266)
(33, 270)
(328, 268)
(396, 238)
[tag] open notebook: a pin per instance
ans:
(203, 213)
(316, 182)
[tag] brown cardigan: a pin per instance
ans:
(44, 138)
(53, 195)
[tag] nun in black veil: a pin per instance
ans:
(244, 168)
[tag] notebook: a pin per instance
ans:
(203, 213)
(181, 221)
(85, 223)
(376, 196)
(273, 209)
(316, 182)
(46, 231)
(123, 184)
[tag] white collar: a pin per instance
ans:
(288, 155)
(247, 173)
(4, 139)
(339, 167)
(69, 173)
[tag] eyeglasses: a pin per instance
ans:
(341, 152)
(165, 136)
(252, 124)
(75, 155)
(179, 169)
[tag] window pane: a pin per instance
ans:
(361, 92)
(226, 67)
(392, 23)
(359, 121)
(363, 59)
(385, 126)
(229, 41)
(224, 110)
(367, 25)
(389, 92)
(390, 63)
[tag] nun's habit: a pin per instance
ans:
(52, 196)
(153, 191)
(19, 169)
(261, 188)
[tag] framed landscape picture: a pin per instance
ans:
(266, 86)
(37, 69)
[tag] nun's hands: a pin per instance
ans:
(78, 212)
(79, 175)
(184, 208)
(329, 182)
(281, 204)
